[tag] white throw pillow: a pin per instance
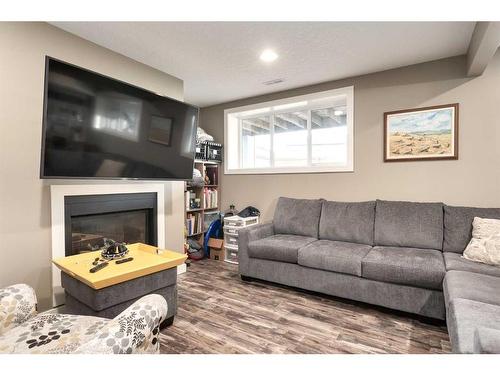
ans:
(484, 247)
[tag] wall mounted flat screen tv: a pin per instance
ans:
(101, 128)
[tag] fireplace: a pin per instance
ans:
(103, 210)
(90, 219)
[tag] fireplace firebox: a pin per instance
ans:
(89, 219)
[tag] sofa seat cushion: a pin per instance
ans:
(345, 221)
(464, 318)
(473, 286)
(297, 216)
(455, 262)
(458, 225)
(423, 268)
(409, 224)
(336, 256)
(280, 247)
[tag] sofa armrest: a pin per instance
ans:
(17, 305)
(135, 330)
(247, 235)
(486, 340)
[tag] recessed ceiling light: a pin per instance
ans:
(268, 55)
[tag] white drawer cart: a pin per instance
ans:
(231, 226)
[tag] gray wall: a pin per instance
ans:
(474, 179)
(25, 236)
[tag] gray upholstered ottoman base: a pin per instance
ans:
(73, 306)
(111, 301)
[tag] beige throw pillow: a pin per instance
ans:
(484, 247)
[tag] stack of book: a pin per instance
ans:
(210, 198)
(193, 224)
(188, 195)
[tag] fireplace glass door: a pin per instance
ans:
(89, 231)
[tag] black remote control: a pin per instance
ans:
(98, 267)
(120, 261)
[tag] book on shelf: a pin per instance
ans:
(187, 198)
(193, 223)
(210, 198)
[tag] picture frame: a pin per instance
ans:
(426, 133)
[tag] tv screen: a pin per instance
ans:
(101, 128)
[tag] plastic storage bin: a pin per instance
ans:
(236, 221)
(201, 151)
(232, 225)
(231, 255)
(231, 231)
(214, 151)
(209, 151)
(230, 239)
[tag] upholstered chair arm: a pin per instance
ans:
(247, 235)
(486, 340)
(135, 330)
(17, 305)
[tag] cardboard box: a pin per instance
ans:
(216, 247)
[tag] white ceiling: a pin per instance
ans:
(219, 61)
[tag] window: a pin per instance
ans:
(304, 134)
(256, 142)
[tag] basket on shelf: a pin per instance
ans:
(201, 149)
(209, 151)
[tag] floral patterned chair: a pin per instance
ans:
(22, 330)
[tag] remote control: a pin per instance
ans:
(120, 261)
(98, 267)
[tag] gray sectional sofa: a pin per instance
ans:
(400, 255)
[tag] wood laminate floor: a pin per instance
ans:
(220, 313)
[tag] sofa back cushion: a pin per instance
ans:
(348, 222)
(297, 216)
(409, 224)
(458, 225)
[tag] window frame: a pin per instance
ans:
(348, 92)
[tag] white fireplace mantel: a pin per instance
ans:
(57, 194)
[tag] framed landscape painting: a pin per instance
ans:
(429, 133)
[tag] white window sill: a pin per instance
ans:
(288, 170)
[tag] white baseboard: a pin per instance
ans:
(181, 269)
